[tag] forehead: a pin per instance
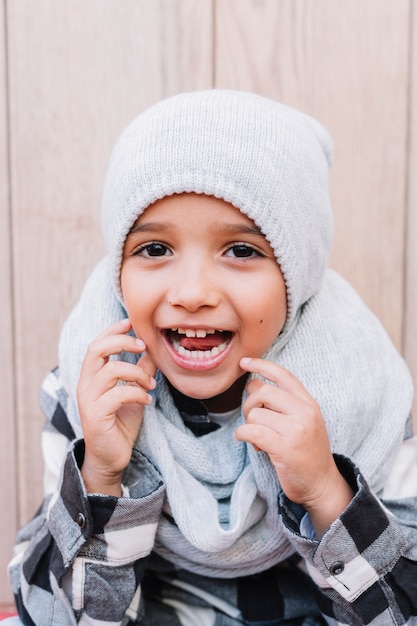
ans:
(179, 209)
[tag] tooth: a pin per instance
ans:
(176, 345)
(198, 354)
(201, 332)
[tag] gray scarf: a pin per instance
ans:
(221, 493)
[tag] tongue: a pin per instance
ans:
(202, 343)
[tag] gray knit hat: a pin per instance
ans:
(266, 159)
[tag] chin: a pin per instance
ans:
(218, 396)
(199, 392)
(197, 387)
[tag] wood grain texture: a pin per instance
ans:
(345, 63)
(410, 334)
(79, 73)
(8, 468)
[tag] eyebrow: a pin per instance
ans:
(148, 227)
(230, 229)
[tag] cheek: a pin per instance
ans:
(267, 328)
(269, 313)
(137, 286)
(125, 280)
(136, 300)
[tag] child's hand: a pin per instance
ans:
(111, 413)
(286, 422)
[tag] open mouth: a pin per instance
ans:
(198, 343)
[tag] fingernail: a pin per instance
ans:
(245, 360)
(140, 343)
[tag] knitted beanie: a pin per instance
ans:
(266, 159)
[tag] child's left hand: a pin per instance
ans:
(285, 421)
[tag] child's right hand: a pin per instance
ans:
(111, 413)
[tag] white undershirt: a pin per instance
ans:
(223, 418)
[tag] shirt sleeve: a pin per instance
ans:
(365, 565)
(81, 559)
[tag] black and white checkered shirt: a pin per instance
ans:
(88, 559)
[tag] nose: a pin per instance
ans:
(194, 285)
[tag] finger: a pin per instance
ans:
(102, 348)
(261, 437)
(276, 374)
(112, 373)
(279, 443)
(122, 326)
(109, 403)
(278, 422)
(127, 394)
(297, 433)
(114, 344)
(274, 398)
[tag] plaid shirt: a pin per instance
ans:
(88, 558)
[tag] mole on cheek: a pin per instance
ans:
(261, 321)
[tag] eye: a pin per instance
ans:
(153, 249)
(243, 251)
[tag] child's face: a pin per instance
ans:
(202, 288)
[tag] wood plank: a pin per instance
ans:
(79, 73)
(345, 63)
(8, 517)
(410, 331)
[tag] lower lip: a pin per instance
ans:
(199, 365)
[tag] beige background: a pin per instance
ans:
(73, 73)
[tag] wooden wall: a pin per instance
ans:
(73, 73)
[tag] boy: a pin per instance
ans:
(234, 474)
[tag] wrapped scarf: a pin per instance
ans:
(221, 493)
